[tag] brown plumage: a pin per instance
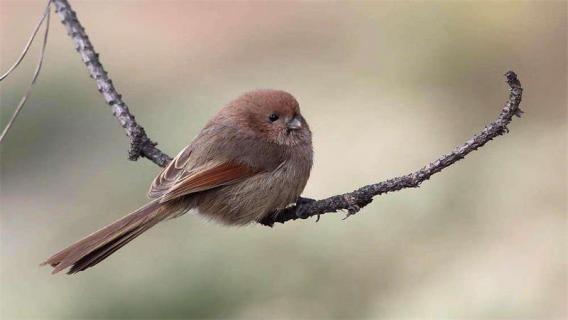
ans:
(252, 158)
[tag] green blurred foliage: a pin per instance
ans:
(386, 87)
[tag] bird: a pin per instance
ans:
(251, 159)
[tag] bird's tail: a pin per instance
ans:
(97, 246)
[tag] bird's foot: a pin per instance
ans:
(301, 211)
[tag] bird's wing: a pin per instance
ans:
(180, 178)
(213, 159)
(207, 177)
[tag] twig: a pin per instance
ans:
(354, 201)
(36, 72)
(28, 44)
(140, 144)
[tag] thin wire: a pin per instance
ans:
(36, 74)
(28, 45)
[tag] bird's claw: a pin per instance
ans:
(301, 211)
(352, 210)
(353, 206)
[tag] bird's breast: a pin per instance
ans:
(253, 198)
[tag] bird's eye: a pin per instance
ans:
(273, 117)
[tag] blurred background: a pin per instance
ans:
(386, 86)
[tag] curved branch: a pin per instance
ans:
(140, 144)
(357, 199)
(353, 201)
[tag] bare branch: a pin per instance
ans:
(353, 201)
(357, 199)
(140, 144)
(36, 72)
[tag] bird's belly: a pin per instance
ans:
(253, 198)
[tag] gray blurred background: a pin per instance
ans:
(387, 87)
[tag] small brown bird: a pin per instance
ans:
(251, 159)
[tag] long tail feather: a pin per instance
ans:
(97, 246)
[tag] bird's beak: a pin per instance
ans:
(294, 124)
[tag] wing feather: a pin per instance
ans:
(210, 161)
(170, 175)
(206, 178)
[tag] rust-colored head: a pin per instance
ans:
(273, 115)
